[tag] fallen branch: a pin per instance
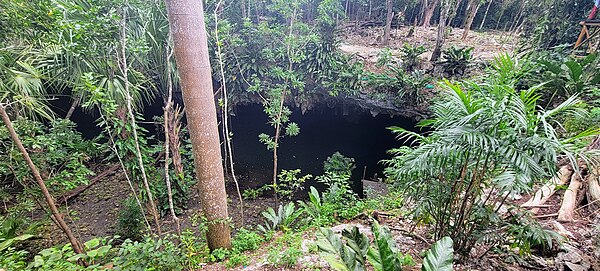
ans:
(546, 191)
(421, 238)
(567, 208)
(78, 190)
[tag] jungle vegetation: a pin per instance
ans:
(521, 124)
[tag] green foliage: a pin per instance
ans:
(528, 234)
(410, 56)
(383, 254)
(351, 253)
(440, 256)
(246, 240)
(57, 150)
(10, 259)
(237, 260)
(570, 76)
(98, 251)
(456, 60)
(340, 256)
(151, 254)
(131, 220)
(283, 220)
(319, 213)
(484, 136)
(286, 258)
(339, 164)
(289, 183)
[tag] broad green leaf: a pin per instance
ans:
(440, 256)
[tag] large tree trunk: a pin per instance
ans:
(428, 9)
(36, 174)
(472, 9)
(388, 22)
(441, 31)
(186, 20)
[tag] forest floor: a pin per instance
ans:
(366, 43)
(94, 213)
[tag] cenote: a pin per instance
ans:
(324, 129)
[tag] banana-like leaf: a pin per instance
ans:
(339, 256)
(440, 256)
(358, 242)
(383, 255)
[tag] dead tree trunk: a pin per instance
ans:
(186, 20)
(38, 178)
(388, 22)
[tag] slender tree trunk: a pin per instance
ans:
(167, 117)
(452, 15)
(228, 145)
(125, 71)
(74, 105)
(486, 14)
(243, 5)
(502, 10)
(472, 9)
(388, 22)
(428, 12)
(186, 20)
(38, 178)
(441, 31)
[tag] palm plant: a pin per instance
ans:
(22, 92)
(488, 142)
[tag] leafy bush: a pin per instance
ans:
(237, 260)
(246, 240)
(410, 56)
(286, 258)
(283, 220)
(456, 60)
(353, 252)
(484, 136)
(59, 152)
(150, 254)
(131, 220)
(339, 164)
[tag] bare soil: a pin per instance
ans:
(366, 43)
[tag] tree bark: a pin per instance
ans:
(441, 31)
(472, 9)
(36, 174)
(388, 22)
(428, 10)
(186, 20)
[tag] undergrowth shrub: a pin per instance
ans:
(130, 223)
(57, 150)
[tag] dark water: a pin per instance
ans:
(323, 131)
